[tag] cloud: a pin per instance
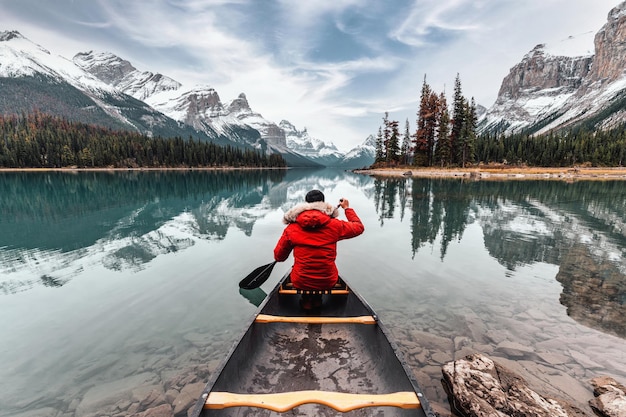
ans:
(334, 66)
(428, 21)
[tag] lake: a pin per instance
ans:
(119, 289)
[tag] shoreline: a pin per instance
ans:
(136, 169)
(473, 173)
(501, 173)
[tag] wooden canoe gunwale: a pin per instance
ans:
(389, 372)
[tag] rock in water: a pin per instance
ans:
(479, 387)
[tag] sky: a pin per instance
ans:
(333, 67)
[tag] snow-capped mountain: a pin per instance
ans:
(199, 106)
(104, 89)
(313, 148)
(121, 74)
(32, 78)
(363, 155)
(202, 108)
(553, 88)
(20, 57)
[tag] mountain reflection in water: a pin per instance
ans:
(110, 277)
(580, 227)
(47, 216)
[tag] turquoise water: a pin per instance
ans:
(114, 283)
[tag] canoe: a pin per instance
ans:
(337, 360)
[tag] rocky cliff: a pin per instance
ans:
(540, 71)
(547, 91)
(609, 61)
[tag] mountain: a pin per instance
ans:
(361, 156)
(103, 89)
(327, 154)
(31, 78)
(314, 149)
(202, 108)
(199, 107)
(551, 90)
(122, 75)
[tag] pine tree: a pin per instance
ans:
(393, 144)
(405, 151)
(443, 148)
(458, 120)
(425, 135)
(380, 155)
(467, 142)
(386, 135)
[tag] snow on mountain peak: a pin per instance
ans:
(19, 57)
(104, 65)
(103, 74)
(9, 35)
(578, 45)
(618, 11)
(122, 75)
(302, 142)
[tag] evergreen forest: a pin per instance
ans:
(42, 141)
(447, 137)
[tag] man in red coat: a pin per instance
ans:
(312, 233)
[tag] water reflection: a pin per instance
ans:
(92, 301)
(57, 218)
(55, 226)
(594, 290)
(581, 227)
(53, 223)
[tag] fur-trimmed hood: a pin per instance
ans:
(321, 206)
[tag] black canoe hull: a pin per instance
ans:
(331, 357)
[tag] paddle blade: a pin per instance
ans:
(257, 277)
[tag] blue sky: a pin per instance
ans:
(332, 66)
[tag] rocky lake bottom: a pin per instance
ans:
(558, 362)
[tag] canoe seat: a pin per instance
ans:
(266, 318)
(285, 401)
(340, 288)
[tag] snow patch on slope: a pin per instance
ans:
(20, 57)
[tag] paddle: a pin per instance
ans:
(257, 277)
(255, 296)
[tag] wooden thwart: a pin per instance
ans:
(294, 292)
(266, 318)
(285, 401)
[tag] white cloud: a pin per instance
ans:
(281, 55)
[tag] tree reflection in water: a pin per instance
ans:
(580, 226)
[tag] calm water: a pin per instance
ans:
(115, 282)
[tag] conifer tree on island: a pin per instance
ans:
(439, 139)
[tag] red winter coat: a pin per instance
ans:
(312, 233)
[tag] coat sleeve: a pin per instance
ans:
(283, 247)
(353, 227)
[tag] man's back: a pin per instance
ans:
(312, 233)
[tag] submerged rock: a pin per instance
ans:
(479, 387)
